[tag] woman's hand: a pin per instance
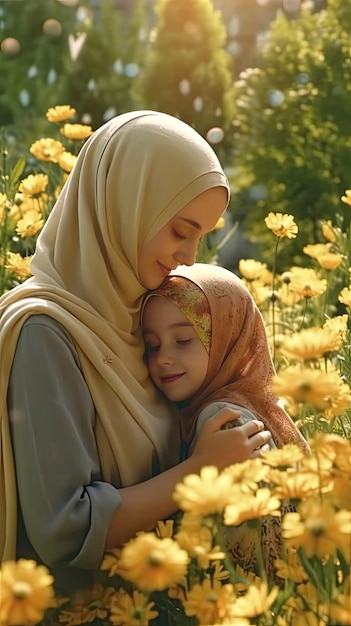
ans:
(223, 447)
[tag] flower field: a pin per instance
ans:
(181, 574)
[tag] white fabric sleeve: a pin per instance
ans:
(66, 506)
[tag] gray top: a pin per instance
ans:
(214, 407)
(65, 506)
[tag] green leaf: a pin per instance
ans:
(16, 174)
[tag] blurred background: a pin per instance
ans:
(266, 82)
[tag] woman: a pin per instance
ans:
(90, 452)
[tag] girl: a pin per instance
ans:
(206, 349)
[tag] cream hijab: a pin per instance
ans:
(131, 177)
(232, 330)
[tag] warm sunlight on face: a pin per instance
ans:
(176, 357)
(176, 243)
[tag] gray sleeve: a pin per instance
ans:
(66, 506)
(212, 409)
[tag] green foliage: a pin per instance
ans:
(188, 49)
(97, 83)
(36, 68)
(292, 126)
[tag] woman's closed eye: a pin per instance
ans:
(177, 234)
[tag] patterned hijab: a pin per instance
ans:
(231, 328)
(132, 176)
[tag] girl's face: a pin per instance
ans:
(176, 243)
(176, 357)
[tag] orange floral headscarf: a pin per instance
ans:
(240, 367)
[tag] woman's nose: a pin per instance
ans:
(187, 255)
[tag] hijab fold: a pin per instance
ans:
(131, 177)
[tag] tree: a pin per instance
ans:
(188, 72)
(33, 50)
(98, 84)
(293, 129)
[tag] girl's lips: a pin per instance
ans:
(171, 378)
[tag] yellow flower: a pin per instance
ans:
(18, 265)
(345, 296)
(328, 230)
(256, 601)
(287, 297)
(247, 474)
(282, 225)
(311, 343)
(287, 456)
(165, 528)
(66, 161)
(26, 592)
(294, 485)
(87, 605)
(220, 223)
(296, 613)
(315, 250)
(47, 149)
(60, 113)
(210, 601)
(259, 291)
(339, 324)
(30, 224)
(132, 610)
(24, 204)
(203, 494)
(318, 529)
(252, 506)
(329, 261)
(152, 563)
(340, 609)
(309, 386)
(4, 206)
(112, 562)
(34, 184)
(76, 131)
(347, 197)
(197, 540)
(251, 269)
(219, 573)
(305, 283)
(291, 568)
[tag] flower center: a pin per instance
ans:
(21, 589)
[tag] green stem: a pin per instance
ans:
(273, 298)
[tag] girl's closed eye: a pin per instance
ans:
(184, 341)
(153, 348)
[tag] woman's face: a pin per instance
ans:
(176, 243)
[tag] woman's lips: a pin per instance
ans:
(164, 269)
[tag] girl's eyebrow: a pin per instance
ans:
(146, 331)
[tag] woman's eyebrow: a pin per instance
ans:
(191, 222)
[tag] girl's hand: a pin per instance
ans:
(221, 448)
